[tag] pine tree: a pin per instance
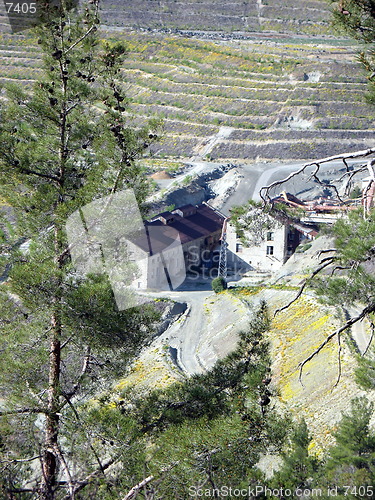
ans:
(62, 144)
(298, 467)
(351, 461)
(355, 243)
(356, 18)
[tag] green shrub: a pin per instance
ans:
(219, 284)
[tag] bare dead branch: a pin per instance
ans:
(73, 106)
(366, 198)
(338, 268)
(344, 156)
(164, 472)
(328, 250)
(328, 261)
(20, 460)
(86, 230)
(67, 471)
(371, 338)
(370, 166)
(264, 191)
(21, 411)
(34, 395)
(368, 309)
(317, 167)
(207, 453)
(279, 183)
(339, 360)
(101, 467)
(64, 344)
(86, 481)
(350, 177)
(137, 487)
(85, 365)
(332, 186)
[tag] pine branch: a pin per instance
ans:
(91, 476)
(324, 263)
(38, 174)
(14, 162)
(339, 360)
(367, 310)
(23, 411)
(134, 491)
(20, 460)
(88, 32)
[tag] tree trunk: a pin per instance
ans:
(50, 460)
(50, 463)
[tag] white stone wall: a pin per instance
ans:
(139, 258)
(156, 276)
(268, 256)
(151, 274)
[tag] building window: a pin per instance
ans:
(270, 236)
(269, 250)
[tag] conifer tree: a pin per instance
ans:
(63, 144)
(298, 467)
(356, 18)
(351, 461)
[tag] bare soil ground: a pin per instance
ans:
(209, 329)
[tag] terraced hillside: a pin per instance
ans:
(247, 99)
(295, 16)
(285, 16)
(259, 96)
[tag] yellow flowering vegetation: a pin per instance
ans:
(294, 335)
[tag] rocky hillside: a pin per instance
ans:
(236, 90)
(289, 98)
(287, 16)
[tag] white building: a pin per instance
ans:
(273, 248)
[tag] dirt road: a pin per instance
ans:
(185, 335)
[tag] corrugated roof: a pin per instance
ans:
(202, 223)
(185, 209)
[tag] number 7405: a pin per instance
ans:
(361, 491)
(21, 8)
